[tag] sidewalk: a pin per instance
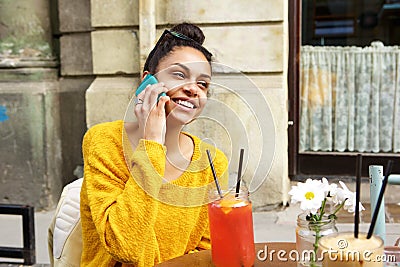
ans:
(11, 234)
(276, 225)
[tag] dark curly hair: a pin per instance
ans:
(183, 34)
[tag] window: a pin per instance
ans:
(346, 26)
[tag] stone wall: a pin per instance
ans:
(31, 157)
(45, 70)
(253, 42)
(25, 29)
(76, 71)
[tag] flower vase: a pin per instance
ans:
(308, 234)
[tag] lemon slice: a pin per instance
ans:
(227, 204)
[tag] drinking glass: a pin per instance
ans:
(343, 249)
(231, 229)
(392, 249)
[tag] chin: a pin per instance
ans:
(180, 118)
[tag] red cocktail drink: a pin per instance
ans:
(231, 229)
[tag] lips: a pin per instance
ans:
(185, 103)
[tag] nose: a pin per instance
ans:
(191, 89)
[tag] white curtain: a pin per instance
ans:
(350, 98)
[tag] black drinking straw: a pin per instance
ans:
(214, 173)
(358, 189)
(380, 197)
(239, 172)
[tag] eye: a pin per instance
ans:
(179, 74)
(203, 84)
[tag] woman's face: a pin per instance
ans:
(187, 74)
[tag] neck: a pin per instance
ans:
(172, 138)
(179, 149)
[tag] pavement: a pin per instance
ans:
(278, 224)
(11, 234)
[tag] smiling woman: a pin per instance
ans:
(146, 182)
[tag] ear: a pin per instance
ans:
(145, 74)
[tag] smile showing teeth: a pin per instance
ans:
(184, 103)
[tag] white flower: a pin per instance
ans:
(344, 194)
(310, 195)
(329, 189)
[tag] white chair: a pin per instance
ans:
(65, 232)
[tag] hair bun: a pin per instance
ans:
(191, 31)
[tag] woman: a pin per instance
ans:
(145, 183)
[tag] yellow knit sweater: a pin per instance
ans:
(128, 213)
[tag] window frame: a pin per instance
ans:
(318, 164)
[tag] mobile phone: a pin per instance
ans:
(149, 79)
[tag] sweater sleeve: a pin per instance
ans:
(122, 207)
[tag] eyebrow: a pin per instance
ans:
(188, 70)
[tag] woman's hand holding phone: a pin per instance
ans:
(150, 112)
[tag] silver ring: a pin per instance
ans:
(138, 101)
